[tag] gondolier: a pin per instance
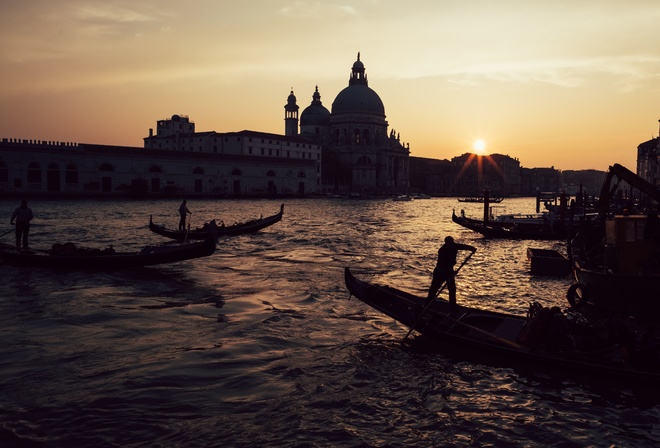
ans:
(22, 215)
(444, 269)
(183, 212)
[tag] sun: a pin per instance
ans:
(479, 146)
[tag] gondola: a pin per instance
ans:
(519, 232)
(235, 229)
(68, 256)
(544, 339)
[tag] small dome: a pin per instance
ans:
(315, 115)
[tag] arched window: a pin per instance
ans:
(71, 174)
(34, 173)
(236, 172)
(356, 136)
(4, 173)
(198, 170)
(270, 173)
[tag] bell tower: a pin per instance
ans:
(291, 115)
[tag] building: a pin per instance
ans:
(277, 166)
(245, 162)
(648, 154)
(360, 155)
(472, 174)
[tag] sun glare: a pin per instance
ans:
(479, 146)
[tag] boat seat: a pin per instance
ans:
(509, 328)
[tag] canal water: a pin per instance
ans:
(259, 345)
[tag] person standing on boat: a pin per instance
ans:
(183, 212)
(22, 215)
(444, 269)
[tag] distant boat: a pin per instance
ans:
(403, 197)
(480, 200)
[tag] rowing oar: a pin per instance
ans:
(436, 296)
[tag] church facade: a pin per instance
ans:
(360, 154)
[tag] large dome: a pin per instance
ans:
(358, 98)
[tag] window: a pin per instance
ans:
(71, 174)
(34, 173)
(4, 173)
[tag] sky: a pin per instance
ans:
(569, 84)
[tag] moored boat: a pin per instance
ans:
(481, 200)
(544, 339)
(512, 230)
(242, 228)
(548, 262)
(69, 256)
(616, 258)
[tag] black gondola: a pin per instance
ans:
(68, 256)
(235, 229)
(544, 339)
(512, 231)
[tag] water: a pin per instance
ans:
(259, 344)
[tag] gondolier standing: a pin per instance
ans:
(22, 215)
(444, 269)
(183, 212)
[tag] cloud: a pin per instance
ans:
(321, 10)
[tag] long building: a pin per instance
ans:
(277, 165)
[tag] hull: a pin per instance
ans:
(233, 230)
(486, 335)
(104, 259)
(495, 230)
(548, 262)
(629, 294)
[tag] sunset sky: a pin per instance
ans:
(570, 84)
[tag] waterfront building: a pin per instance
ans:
(472, 174)
(360, 155)
(648, 154)
(243, 163)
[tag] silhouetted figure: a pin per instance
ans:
(183, 212)
(22, 215)
(444, 269)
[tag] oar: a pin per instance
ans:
(187, 232)
(8, 231)
(436, 296)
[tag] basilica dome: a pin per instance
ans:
(358, 96)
